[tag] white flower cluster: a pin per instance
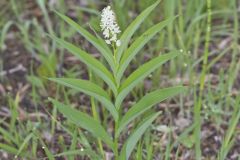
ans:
(109, 26)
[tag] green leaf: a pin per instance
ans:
(90, 61)
(186, 133)
(7, 136)
(187, 141)
(4, 31)
(127, 34)
(48, 153)
(146, 103)
(129, 146)
(141, 73)
(35, 81)
(230, 135)
(8, 148)
(81, 152)
(25, 142)
(90, 89)
(138, 44)
(85, 121)
(97, 42)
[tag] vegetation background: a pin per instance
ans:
(206, 33)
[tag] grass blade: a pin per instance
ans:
(126, 36)
(229, 137)
(146, 103)
(141, 73)
(8, 148)
(25, 142)
(48, 153)
(7, 136)
(81, 152)
(4, 31)
(90, 61)
(90, 89)
(136, 135)
(85, 121)
(138, 44)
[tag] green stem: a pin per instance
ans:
(197, 107)
(95, 116)
(116, 122)
(116, 141)
(116, 66)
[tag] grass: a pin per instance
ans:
(198, 104)
(205, 54)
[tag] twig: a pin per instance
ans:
(18, 68)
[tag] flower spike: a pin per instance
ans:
(109, 26)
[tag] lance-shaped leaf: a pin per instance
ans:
(141, 73)
(229, 139)
(47, 151)
(90, 61)
(84, 121)
(130, 144)
(127, 34)
(138, 44)
(24, 144)
(97, 42)
(7, 148)
(4, 31)
(90, 89)
(146, 103)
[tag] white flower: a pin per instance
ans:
(109, 26)
(108, 41)
(106, 33)
(118, 43)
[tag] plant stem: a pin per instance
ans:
(116, 122)
(116, 141)
(197, 107)
(95, 116)
(116, 66)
